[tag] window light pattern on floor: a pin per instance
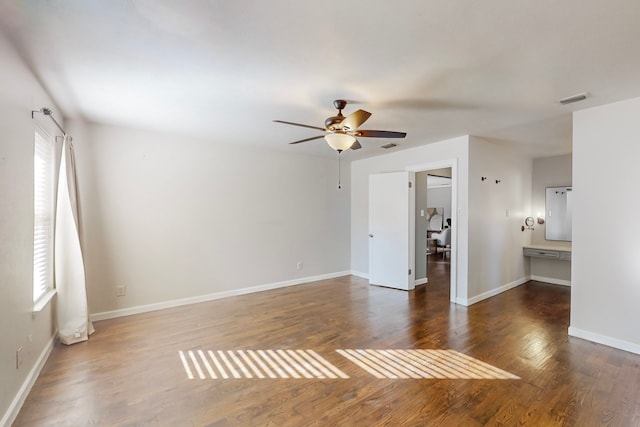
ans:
(441, 364)
(257, 364)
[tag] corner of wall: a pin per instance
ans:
(499, 194)
(17, 402)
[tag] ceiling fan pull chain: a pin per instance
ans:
(339, 172)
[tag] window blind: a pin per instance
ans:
(43, 207)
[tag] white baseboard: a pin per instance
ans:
(210, 297)
(12, 412)
(605, 340)
(551, 280)
(421, 281)
(492, 292)
(359, 274)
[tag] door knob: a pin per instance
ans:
(370, 235)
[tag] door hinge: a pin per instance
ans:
(409, 272)
(409, 184)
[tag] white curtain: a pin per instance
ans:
(72, 311)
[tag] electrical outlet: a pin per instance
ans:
(121, 291)
(300, 266)
(19, 357)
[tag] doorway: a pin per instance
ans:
(436, 264)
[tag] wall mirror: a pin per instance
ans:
(558, 204)
(435, 219)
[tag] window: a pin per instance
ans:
(43, 208)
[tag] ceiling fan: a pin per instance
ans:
(342, 132)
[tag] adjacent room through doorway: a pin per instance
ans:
(434, 222)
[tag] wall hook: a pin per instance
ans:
(483, 178)
(498, 181)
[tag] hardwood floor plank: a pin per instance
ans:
(131, 372)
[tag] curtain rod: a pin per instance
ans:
(47, 112)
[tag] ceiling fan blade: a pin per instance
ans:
(380, 134)
(307, 139)
(298, 124)
(356, 145)
(354, 120)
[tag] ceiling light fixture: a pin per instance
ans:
(339, 141)
(574, 98)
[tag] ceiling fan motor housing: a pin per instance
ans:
(340, 104)
(333, 123)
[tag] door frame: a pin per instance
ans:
(453, 164)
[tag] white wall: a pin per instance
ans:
(428, 155)
(173, 217)
(606, 280)
(496, 213)
(20, 93)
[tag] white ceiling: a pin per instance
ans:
(435, 69)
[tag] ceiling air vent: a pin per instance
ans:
(573, 98)
(389, 145)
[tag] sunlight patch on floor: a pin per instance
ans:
(442, 364)
(394, 364)
(257, 364)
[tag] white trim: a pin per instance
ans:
(440, 164)
(419, 282)
(551, 280)
(210, 297)
(605, 340)
(15, 406)
(44, 300)
(360, 274)
(492, 292)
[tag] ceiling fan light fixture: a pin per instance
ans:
(339, 141)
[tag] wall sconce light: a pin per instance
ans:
(540, 219)
(528, 223)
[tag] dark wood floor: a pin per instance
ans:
(130, 374)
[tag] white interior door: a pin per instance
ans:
(391, 240)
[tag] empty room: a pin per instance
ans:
(281, 213)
